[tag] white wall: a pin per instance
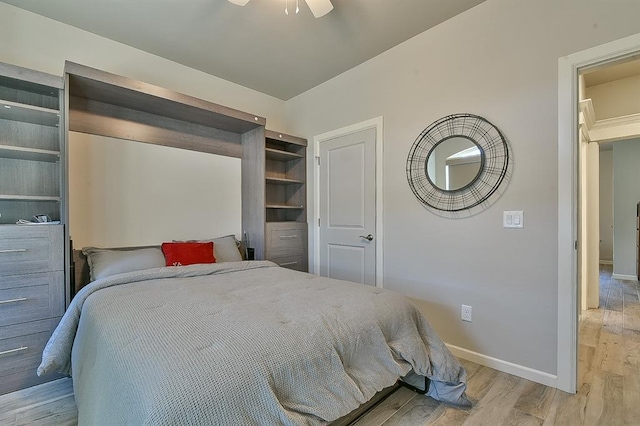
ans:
(32, 41)
(128, 193)
(498, 60)
(606, 205)
(626, 194)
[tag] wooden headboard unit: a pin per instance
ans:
(106, 104)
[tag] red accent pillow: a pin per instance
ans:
(182, 254)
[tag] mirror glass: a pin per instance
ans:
(454, 163)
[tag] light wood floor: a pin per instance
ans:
(608, 390)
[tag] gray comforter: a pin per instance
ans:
(239, 343)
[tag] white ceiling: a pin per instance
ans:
(257, 45)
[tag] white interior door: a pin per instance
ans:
(348, 207)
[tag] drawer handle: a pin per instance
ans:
(13, 251)
(286, 237)
(288, 263)
(11, 351)
(20, 299)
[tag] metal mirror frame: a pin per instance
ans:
(493, 168)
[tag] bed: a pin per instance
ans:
(241, 342)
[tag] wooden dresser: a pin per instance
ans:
(286, 244)
(32, 299)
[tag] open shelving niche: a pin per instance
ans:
(285, 177)
(32, 166)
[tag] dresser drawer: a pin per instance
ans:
(282, 236)
(21, 349)
(295, 261)
(31, 248)
(31, 297)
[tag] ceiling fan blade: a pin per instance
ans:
(319, 8)
(239, 2)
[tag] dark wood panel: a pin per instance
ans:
(31, 249)
(270, 134)
(110, 88)
(31, 297)
(108, 120)
(253, 190)
(29, 135)
(18, 369)
(20, 177)
(28, 80)
(13, 210)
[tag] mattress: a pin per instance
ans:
(240, 343)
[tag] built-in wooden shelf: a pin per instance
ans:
(15, 111)
(284, 206)
(32, 154)
(96, 98)
(283, 181)
(28, 197)
(279, 155)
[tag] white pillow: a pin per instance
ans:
(105, 262)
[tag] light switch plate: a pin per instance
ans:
(513, 219)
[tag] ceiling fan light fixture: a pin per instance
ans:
(319, 8)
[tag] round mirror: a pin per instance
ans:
(457, 162)
(454, 163)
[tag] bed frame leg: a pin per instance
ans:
(415, 388)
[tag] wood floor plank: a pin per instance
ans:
(629, 291)
(36, 395)
(586, 355)
(535, 399)
(447, 416)
(609, 353)
(605, 401)
(498, 402)
(614, 298)
(591, 327)
(631, 347)
(60, 412)
(631, 394)
(612, 322)
(8, 419)
(631, 317)
(480, 382)
(566, 409)
(415, 412)
(387, 408)
(520, 418)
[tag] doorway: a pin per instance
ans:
(568, 136)
(348, 203)
(609, 100)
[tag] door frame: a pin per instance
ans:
(568, 67)
(375, 123)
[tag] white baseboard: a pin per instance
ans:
(505, 366)
(606, 262)
(624, 277)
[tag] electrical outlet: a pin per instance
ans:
(466, 313)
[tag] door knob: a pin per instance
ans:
(368, 237)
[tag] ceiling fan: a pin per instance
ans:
(319, 8)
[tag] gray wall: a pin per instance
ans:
(606, 205)
(626, 194)
(498, 60)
